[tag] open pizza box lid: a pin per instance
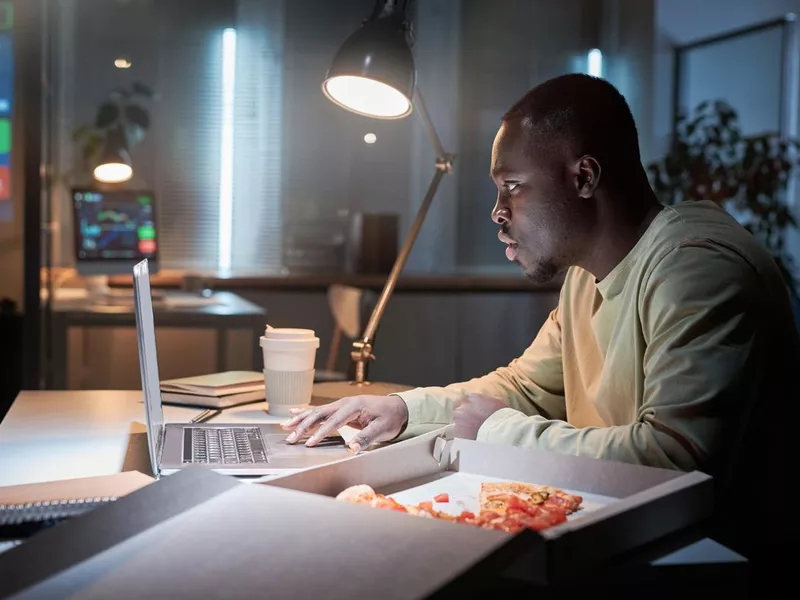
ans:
(198, 534)
(625, 506)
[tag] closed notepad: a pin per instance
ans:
(216, 384)
(213, 401)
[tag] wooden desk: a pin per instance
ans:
(62, 435)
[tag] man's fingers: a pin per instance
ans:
(367, 436)
(338, 419)
(309, 421)
(298, 414)
(295, 419)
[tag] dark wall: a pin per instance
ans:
(507, 47)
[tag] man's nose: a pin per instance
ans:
(501, 214)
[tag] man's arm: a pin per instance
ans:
(532, 384)
(702, 368)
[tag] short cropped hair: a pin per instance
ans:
(586, 111)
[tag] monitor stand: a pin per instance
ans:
(97, 286)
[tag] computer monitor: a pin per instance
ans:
(114, 230)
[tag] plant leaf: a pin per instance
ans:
(138, 116)
(107, 114)
(118, 94)
(142, 90)
(81, 132)
(91, 147)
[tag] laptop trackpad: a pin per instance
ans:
(277, 447)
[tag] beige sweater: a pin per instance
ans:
(660, 363)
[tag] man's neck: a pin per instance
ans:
(618, 230)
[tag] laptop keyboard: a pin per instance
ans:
(223, 445)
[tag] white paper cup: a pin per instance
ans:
(287, 390)
(289, 356)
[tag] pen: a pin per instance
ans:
(206, 415)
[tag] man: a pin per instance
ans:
(673, 342)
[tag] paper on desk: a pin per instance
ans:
(104, 486)
(464, 490)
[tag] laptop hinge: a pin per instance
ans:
(160, 443)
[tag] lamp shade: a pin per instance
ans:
(114, 165)
(373, 72)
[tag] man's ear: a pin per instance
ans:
(588, 176)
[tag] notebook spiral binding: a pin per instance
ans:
(34, 512)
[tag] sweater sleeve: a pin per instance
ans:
(532, 384)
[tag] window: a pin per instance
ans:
(212, 154)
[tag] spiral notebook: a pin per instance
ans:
(24, 509)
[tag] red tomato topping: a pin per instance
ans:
(388, 503)
(519, 514)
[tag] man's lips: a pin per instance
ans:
(512, 248)
(505, 238)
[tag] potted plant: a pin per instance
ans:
(122, 115)
(710, 159)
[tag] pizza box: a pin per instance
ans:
(625, 506)
(199, 534)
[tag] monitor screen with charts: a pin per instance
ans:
(114, 230)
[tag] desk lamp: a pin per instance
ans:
(373, 74)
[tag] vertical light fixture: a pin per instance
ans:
(226, 150)
(594, 63)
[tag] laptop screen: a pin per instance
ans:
(148, 361)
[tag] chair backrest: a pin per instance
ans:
(346, 304)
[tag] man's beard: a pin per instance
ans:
(540, 272)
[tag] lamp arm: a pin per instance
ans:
(362, 348)
(422, 110)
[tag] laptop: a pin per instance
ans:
(247, 449)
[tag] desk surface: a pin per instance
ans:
(62, 435)
(51, 435)
(220, 304)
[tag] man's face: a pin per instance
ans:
(538, 207)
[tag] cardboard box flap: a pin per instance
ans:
(406, 460)
(438, 451)
(592, 475)
(60, 548)
(442, 447)
(259, 541)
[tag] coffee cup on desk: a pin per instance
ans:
(289, 356)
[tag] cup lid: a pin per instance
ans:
(288, 334)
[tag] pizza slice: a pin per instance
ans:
(497, 497)
(508, 506)
(358, 494)
(364, 494)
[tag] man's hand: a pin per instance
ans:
(471, 414)
(380, 418)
